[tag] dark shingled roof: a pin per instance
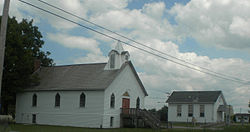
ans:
(194, 96)
(242, 114)
(78, 77)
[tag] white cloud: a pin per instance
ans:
(13, 9)
(154, 10)
(240, 27)
(21, 10)
(137, 24)
(77, 42)
(160, 76)
(223, 24)
(77, 7)
(218, 23)
(95, 7)
(74, 6)
(91, 58)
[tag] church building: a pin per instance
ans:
(83, 95)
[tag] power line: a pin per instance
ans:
(127, 43)
(139, 43)
(215, 75)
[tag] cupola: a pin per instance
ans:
(117, 57)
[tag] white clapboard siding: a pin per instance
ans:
(68, 114)
(125, 82)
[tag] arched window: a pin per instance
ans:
(112, 101)
(112, 61)
(34, 100)
(138, 103)
(57, 100)
(82, 100)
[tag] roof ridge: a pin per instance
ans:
(200, 91)
(76, 64)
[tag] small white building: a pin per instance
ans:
(198, 106)
(83, 95)
(242, 117)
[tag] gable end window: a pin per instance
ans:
(179, 110)
(82, 100)
(112, 101)
(57, 100)
(138, 103)
(34, 100)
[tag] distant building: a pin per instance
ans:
(83, 95)
(242, 117)
(199, 106)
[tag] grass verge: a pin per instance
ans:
(46, 128)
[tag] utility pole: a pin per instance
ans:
(2, 43)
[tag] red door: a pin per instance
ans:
(125, 105)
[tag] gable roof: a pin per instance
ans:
(194, 96)
(78, 77)
(137, 78)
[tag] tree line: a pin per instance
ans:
(22, 49)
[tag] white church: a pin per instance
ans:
(83, 95)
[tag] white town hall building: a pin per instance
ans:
(83, 95)
(198, 106)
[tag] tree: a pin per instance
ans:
(153, 111)
(23, 47)
(163, 113)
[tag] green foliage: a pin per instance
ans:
(161, 113)
(23, 44)
(153, 111)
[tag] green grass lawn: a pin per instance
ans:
(45, 128)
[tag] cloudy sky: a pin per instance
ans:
(214, 34)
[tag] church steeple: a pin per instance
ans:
(117, 57)
(119, 47)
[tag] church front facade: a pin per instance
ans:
(85, 95)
